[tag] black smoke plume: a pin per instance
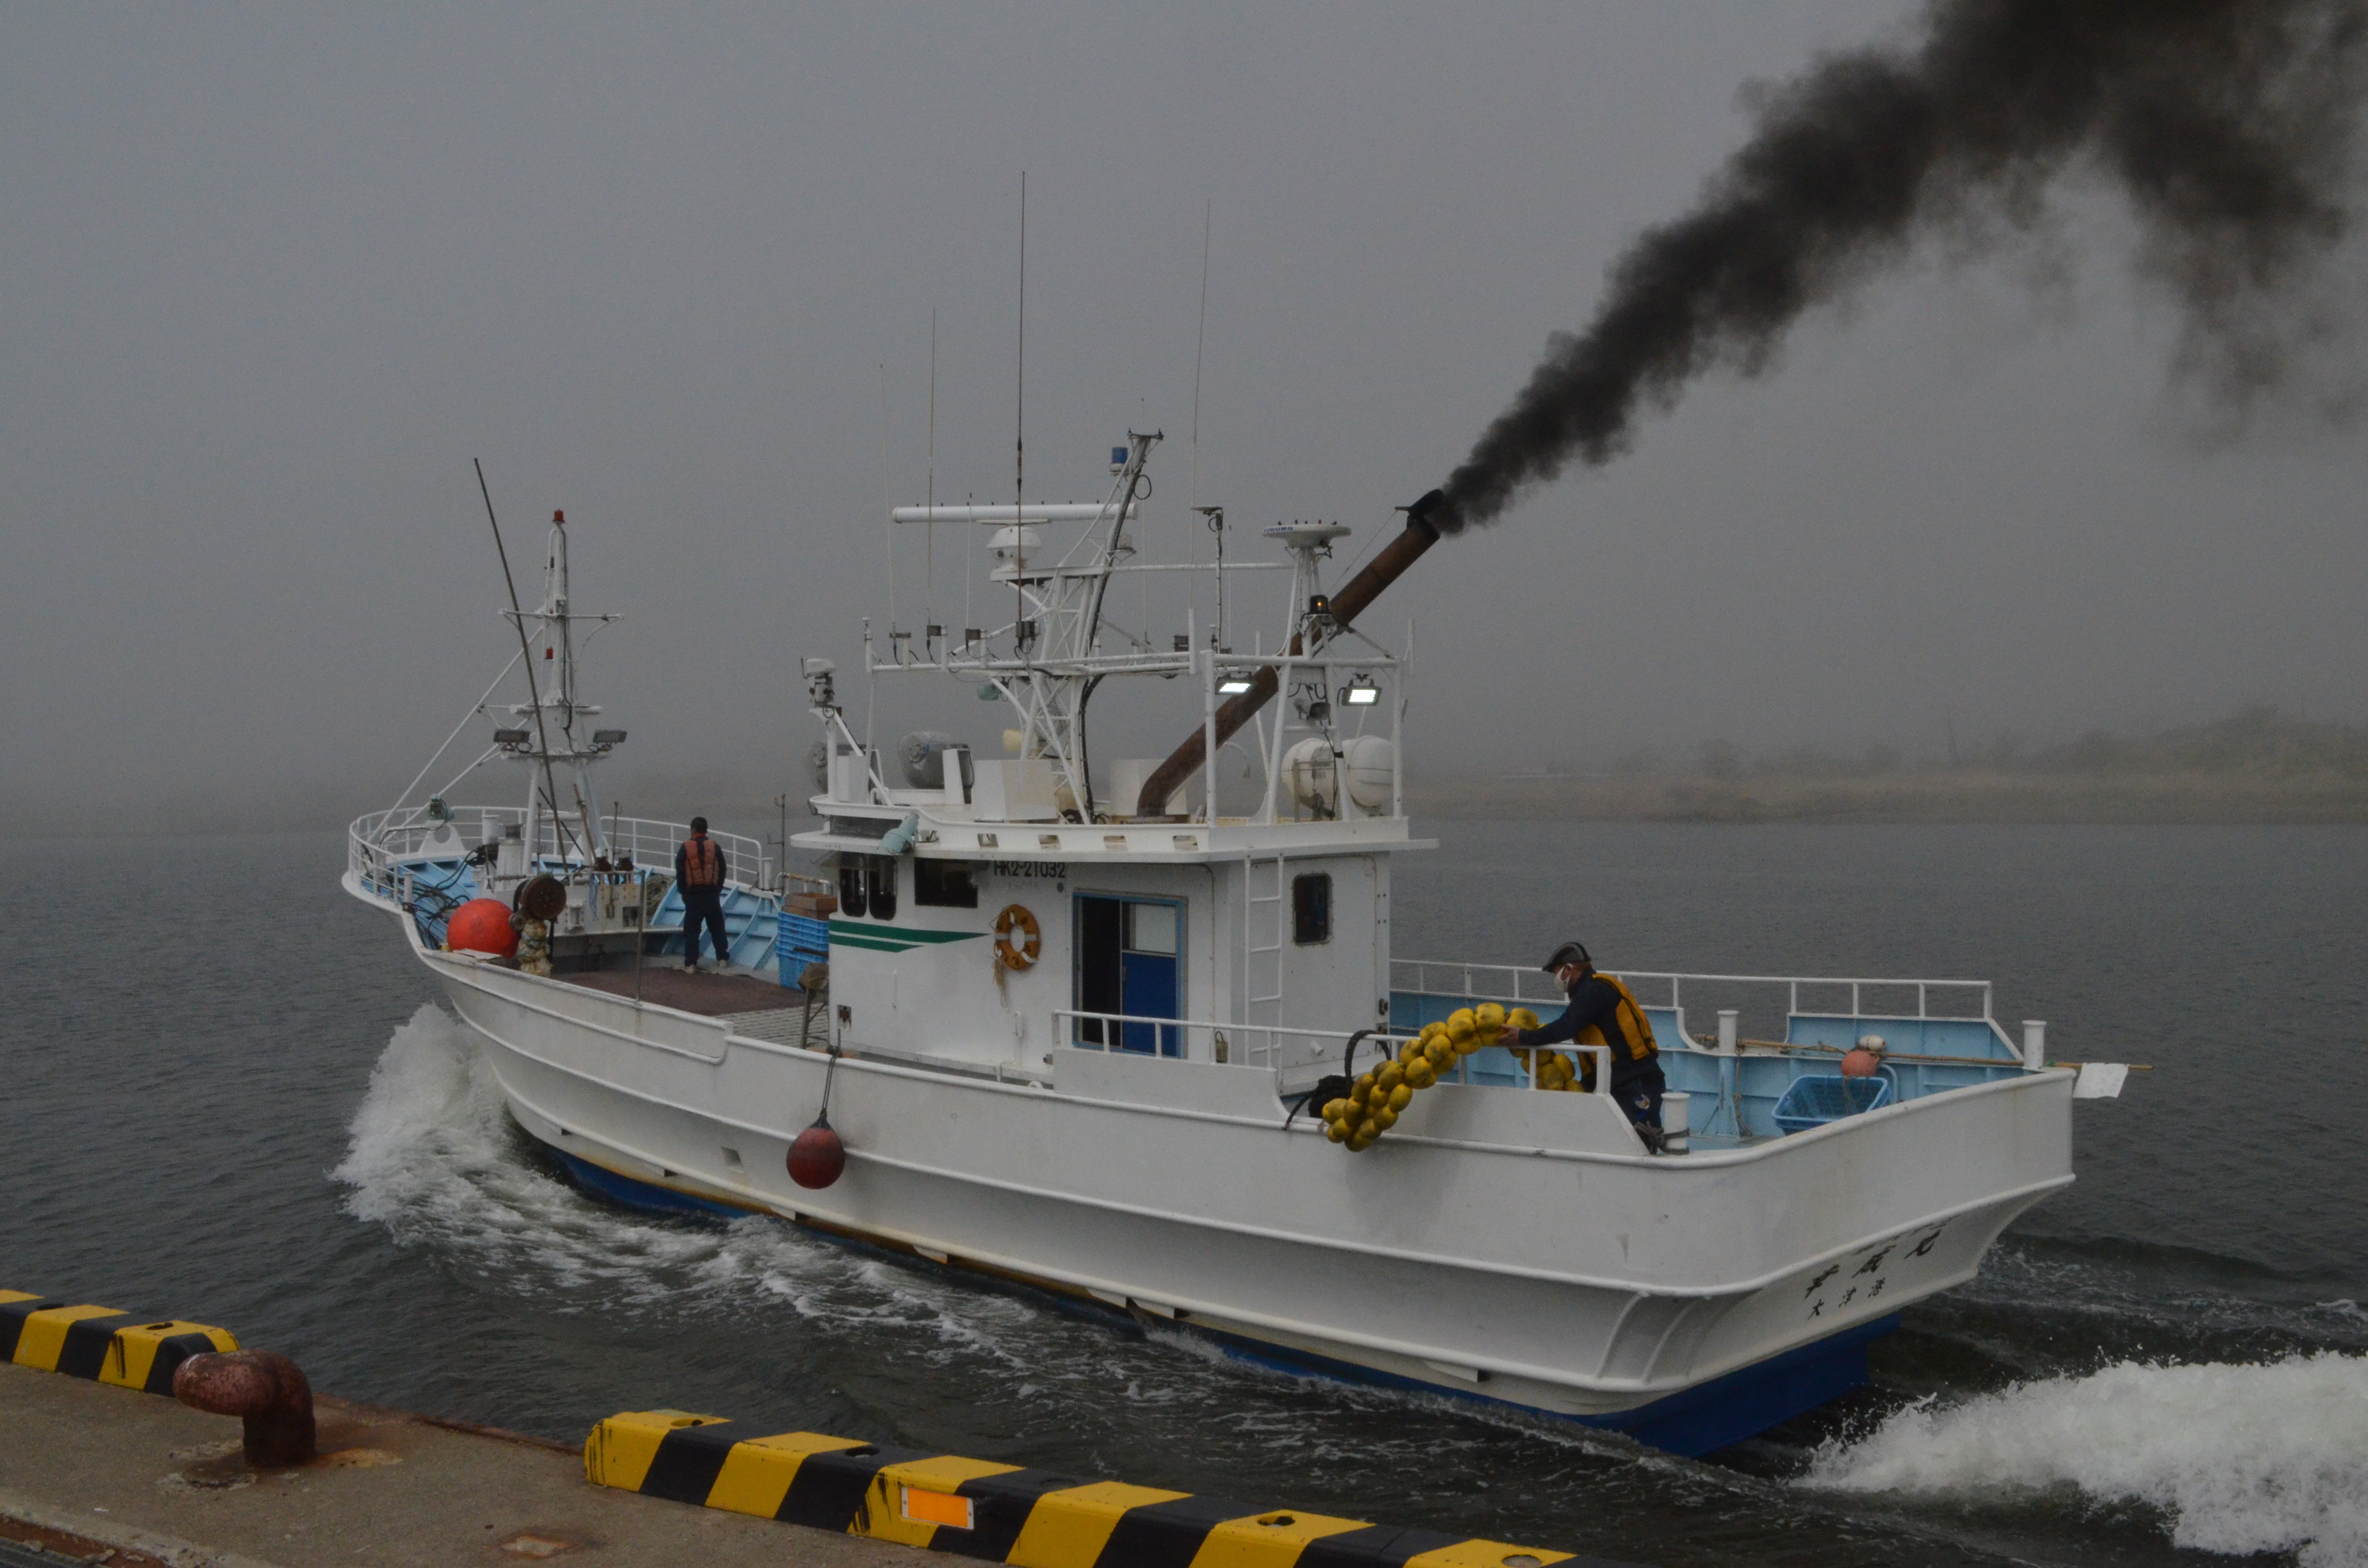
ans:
(2228, 125)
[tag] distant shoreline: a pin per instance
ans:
(1934, 798)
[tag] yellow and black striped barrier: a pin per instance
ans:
(99, 1343)
(997, 1513)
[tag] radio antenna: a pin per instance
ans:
(1199, 339)
(1019, 445)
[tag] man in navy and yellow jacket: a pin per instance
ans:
(1602, 1011)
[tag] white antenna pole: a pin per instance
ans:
(929, 545)
(888, 506)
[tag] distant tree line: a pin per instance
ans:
(2260, 742)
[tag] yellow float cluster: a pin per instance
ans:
(1554, 1071)
(1372, 1105)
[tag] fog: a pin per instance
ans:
(271, 277)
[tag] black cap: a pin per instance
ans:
(1569, 953)
(699, 824)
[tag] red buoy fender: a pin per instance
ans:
(481, 925)
(817, 1156)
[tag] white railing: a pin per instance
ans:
(1512, 982)
(376, 845)
(1232, 1045)
(1278, 1046)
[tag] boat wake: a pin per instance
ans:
(433, 1157)
(2234, 1458)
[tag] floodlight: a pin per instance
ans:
(1233, 685)
(614, 737)
(511, 737)
(1361, 692)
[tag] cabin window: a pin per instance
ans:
(1311, 908)
(851, 899)
(883, 888)
(944, 884)
(1151, 928)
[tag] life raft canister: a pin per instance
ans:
(1019, 941)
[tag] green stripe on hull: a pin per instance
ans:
(891, 939)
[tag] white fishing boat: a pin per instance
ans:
(1065, 1010)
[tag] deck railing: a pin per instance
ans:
(377, 843)
(1228, 1044)
(1512, 982)
(1270, 1045)
(1938, 1003)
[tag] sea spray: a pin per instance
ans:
(2237, 1459)
(431, 1157)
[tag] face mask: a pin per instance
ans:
(1566, 982)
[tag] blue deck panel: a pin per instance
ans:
(748, 922)
(1709, 1417)
(1922, 1037)
(1745, 1103)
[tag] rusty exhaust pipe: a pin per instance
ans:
(1360, 591)
(264, 1387)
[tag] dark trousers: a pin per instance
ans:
(1639, 1094)
(1640, 1090)
(703, 906)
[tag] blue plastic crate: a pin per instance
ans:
(803, 934)
(1821, 1097)
(799, 940)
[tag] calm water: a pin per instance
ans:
(229, 1094)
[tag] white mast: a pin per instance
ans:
(551, 636)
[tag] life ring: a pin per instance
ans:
(1023, 953)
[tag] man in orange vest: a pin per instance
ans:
(1602, 1011)
(699, 869)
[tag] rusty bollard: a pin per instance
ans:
(262, 1386)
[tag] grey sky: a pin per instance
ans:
(270, 276)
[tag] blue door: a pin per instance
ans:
(1129, 951)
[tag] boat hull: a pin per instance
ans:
(1691, 1301)
(1699, 1420)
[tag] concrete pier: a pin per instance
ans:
(150, 1479)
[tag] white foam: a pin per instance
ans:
(2238, 1459)
(432, 1157)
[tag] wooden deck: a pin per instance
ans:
(668, 984)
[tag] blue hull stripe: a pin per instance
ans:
(642, 1194)
(1695, 1421)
